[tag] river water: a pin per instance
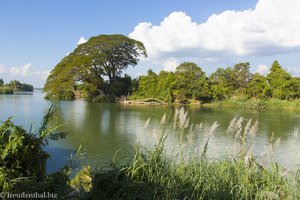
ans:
(104, 129)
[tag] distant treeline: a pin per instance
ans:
(14, 86)
(190, 82)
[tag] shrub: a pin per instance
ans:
(6, 90)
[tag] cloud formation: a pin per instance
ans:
(81, 41)
(295, 71)
(263, 69)
(170, 65)
(270, 28)
(24, 73)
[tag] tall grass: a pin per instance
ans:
(258, 103)
(157, 174)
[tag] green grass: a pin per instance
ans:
(152, 175)
(257, 104)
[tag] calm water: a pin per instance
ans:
(103, 129)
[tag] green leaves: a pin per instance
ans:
(92, 63)
(14, 86)
(282, 85)
(22, 152)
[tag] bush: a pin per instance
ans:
(65, 95)
(23, 158)
(6, 90)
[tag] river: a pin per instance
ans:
(104, 129)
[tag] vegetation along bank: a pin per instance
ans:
(14, 86)
(95, 71)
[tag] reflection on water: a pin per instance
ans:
(103, 129)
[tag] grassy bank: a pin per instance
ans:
(154, 172)
(256, 104)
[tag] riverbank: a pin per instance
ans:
(227, 103)
(256, 104)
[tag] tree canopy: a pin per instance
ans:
(97, 64)
(190, 82)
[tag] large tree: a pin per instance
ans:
(101, 58)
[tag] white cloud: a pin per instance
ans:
(263, 69)
(2, 69)
(270, 28)
(81, 41)
(22, 70)
(170, 64)
(295, 71)
(24, 73)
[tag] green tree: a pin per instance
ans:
(292, 88)
(165, 86)
(242, 76)
(279, 80)
(15, 85)
(159, 86)
(191, 82)
(258, 87)
(222, 83)
(148, 85)
(100, 58)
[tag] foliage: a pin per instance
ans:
(20, 87)
(258, 87)
(221, 83)
(82, 181)
(237, 83)
(21, 151)
(279, 81)
(188, 82)
(23, 158)
(95, 68)
(14, 86)
(92, 63)
(6, 90)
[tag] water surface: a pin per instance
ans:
(103, 129)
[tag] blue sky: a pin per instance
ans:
(35, 35)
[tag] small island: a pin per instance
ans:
(14, 87)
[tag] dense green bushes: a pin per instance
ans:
(22, 153)
(6, 90)
(23, 161)
(14, 86)
(189, 82)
